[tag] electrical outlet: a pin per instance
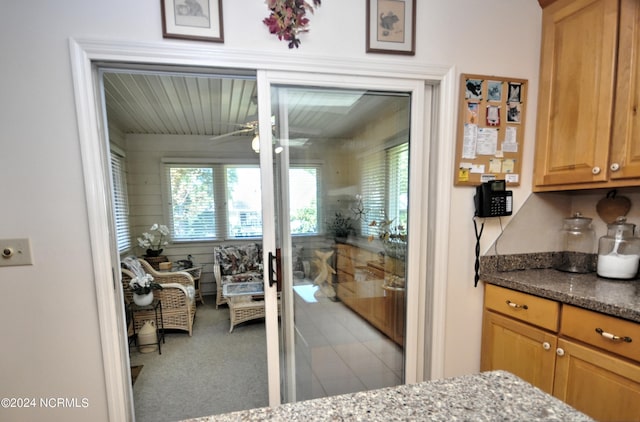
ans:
(14, 252)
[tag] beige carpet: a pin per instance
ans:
(212, 372)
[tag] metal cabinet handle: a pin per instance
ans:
(560, 351)
(613, 337)
(595, 170)
(516, 306)
(546, 345)
(614, 167)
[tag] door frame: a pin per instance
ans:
(85, 54)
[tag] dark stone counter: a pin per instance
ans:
(532, 274)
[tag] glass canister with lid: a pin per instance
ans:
(577, 245)
(619, 251)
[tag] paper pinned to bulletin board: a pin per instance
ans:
(490, 130)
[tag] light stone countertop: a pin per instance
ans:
(488, 396)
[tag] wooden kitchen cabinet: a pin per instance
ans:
(360, 284)
(521, 349)
(588, 125)
(603, 386)
(590, 361)
(625, 143)
(523, 341)
(596, 374)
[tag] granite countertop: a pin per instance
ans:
(488, 396)
(619, 298)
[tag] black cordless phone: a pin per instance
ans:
(493, 200)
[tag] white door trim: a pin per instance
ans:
(84, 55)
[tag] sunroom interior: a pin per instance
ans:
(184, 153)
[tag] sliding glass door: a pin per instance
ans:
(336, 165)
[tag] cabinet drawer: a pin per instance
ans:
(342, 277)
(584, 325)
(534, 310)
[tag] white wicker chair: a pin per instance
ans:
(177, 296)
(196, 273)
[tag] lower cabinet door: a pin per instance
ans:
(521, 349)
(598, 384)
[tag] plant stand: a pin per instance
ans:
(155, 261)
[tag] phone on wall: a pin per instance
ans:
(493, 200)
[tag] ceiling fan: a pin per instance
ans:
(245, 128)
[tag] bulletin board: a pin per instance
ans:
(491, 125)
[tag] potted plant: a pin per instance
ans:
(341, 226)
(393, 238)
(154, 240)
(142, 284)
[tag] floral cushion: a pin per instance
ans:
(238, 259)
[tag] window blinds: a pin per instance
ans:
(373, 191)
(121, 204)
(398, 183)
(385, 183)
(191, 196)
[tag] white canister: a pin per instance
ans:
(619, 251)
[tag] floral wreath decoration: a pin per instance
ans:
(288, 19)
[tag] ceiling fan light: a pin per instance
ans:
(255, 144)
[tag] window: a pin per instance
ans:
(121, 205)
(244, 202)
(398, 183)
(385, 187)
(192, 214)
(196, 190)
(303, 194)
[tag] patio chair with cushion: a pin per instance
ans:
(236, 263)
(177, 296)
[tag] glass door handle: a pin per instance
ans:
(272, 274)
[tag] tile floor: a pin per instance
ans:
(338, 351)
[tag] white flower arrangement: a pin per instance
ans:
(155, 239)
(142, 285)
(143, 282)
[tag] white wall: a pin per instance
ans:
(51, 345)
(536, 228)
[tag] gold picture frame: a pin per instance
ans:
(192, 20)
(391, 26)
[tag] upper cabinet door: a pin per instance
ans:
(625, 145)
(577, 75)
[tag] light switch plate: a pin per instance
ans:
(14, 252)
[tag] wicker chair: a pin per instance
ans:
(177, 296)
(235, 263)
(196, 273)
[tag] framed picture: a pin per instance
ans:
(192, 20)
(391, 26)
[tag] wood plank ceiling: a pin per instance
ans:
(210, 105)
(178, 104)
